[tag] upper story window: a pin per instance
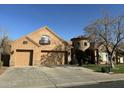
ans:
(45, 40)
(85, 43)
(77, 45)
(25, 42)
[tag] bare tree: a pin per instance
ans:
(108, 30)
(2, 34)
(121, 45)
(5, 46)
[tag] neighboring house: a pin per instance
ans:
(120, 56)
(100, 54)
(103, 57)
(96, 52)
(42, 47)
(80, 45)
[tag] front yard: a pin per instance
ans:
(97, 68)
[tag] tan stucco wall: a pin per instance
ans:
(82, 46)
(35, 36)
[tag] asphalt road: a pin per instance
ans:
(110, 84)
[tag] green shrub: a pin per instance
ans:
(105, 69)
(1, 64)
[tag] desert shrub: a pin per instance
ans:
(105, 69)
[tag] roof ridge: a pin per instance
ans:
(46, 27)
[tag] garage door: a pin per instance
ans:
(23, 58)
(60, 57)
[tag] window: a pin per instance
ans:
(45, 40)
(25, 42)
(85, 43)
(77, 45)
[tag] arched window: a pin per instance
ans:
(45, 40)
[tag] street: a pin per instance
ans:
(110, 84)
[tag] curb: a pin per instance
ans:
(74, 84)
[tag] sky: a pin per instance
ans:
(67, 21)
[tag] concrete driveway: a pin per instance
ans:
(64, 76)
